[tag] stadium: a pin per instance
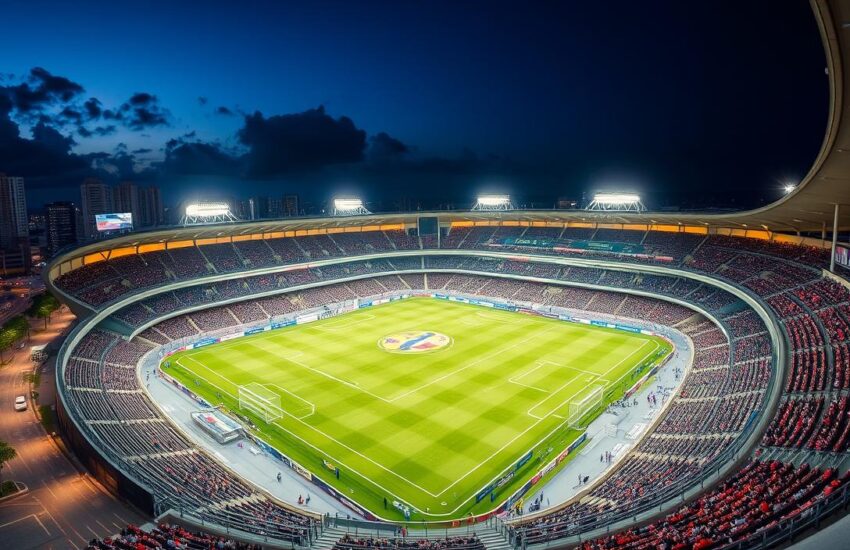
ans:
(485, 378)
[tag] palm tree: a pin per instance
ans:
(7, 453)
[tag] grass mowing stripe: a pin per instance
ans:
(428, 429)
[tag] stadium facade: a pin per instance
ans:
(771, 341)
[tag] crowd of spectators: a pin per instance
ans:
(167, 537)
(714, 403)
(106, 392)
(757, 498)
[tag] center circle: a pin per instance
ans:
(414, 341)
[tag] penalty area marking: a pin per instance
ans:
(589, 379)
(384, 468)
(546, 362)
(298, 397)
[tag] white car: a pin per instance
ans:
(20, 403)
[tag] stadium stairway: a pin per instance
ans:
(493, 540)
(328, 538)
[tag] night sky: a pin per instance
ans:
(414, 103)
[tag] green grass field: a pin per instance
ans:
(430, 428)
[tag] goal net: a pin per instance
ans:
(261, 401)
(584, 404)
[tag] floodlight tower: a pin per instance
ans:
(490, 203)
(616, 202)
(203, 213)
(349, 207)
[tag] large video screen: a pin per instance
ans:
(842, 255)
(114, 222)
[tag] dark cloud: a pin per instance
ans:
(383, 146)
(142, 151)
(93, 108)
(196, 158)
(297, 142)
(141, 111)
(97, 131)
(41, 90)
(71, 115)
(224, 111)
(47, 154)
(202, 100)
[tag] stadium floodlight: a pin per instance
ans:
(349, 207)
(616, 202)
(493, 202)
(202, 213)
(789, 187)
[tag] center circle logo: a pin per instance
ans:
(414, 341)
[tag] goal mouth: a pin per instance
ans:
(270, 404)
(584, 406)
(414, 341)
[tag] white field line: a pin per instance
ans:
(342, 324)
(336, 379)
(498, 451)
(382, 467)
(321, 452)
(525, 431)
(309, 403)
(602, 376)
(471, 364)
(543, 363)
(558, 406)
(500, 319)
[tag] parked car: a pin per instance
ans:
(20, 403)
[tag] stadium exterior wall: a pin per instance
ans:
(109, 474)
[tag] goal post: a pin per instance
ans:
(585, 403)
(261, 401)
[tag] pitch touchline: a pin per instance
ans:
(382, 467)
(320, 451)
(597, 375)
(530, 427)
(341, 444)
(343, 324)
(411, 483)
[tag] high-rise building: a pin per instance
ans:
(14, 224)
(290, 205)
(275, 207)
(261, 208)
(62, 225)
(125, 198)
(151, 212)
(96, 199)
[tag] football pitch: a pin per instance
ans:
(423, 401)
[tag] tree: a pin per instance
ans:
(7, 338)
(7, 453)
(15, 329)
(43, 307)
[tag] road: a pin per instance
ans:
(64, 508)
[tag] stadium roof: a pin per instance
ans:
(808, 208)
